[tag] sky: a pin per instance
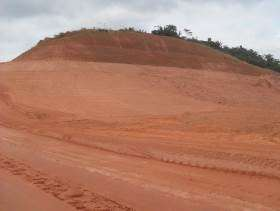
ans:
(250, 23)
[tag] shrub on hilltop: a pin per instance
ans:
(248, 55)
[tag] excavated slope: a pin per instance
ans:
(108, 136)
(134, 48)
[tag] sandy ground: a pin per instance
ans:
(16, 194)
(101, 136)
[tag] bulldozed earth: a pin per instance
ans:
(131, 121)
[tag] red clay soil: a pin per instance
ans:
(87, 135)
(134, 48)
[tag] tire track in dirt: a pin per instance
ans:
(78, 197)
(261, 172)
(262, 168)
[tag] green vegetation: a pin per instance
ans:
(168, 30)
(248, 55)
(93, 30)
(171, 31)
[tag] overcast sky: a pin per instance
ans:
(251, 23)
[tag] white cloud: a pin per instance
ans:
(252, 23)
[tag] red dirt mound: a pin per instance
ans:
(134, 48)
(87, 135)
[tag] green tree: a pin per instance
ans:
(214, 44)
(168, 30)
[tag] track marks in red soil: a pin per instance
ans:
(252, 165)
(78, 197)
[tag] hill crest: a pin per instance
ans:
(134, 48)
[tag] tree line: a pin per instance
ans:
(248, 55)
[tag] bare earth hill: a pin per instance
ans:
(130, 121)
(133, 48)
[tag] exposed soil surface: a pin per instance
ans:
(90, 133)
